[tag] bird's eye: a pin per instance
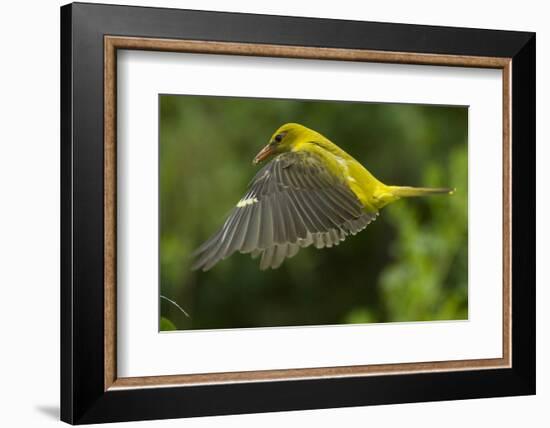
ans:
(278, 138)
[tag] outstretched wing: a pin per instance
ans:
(292, 202)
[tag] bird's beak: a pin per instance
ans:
(264, 154)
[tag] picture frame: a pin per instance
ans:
(91, 391)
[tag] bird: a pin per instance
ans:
(310, 192)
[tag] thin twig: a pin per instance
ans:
(176, 305)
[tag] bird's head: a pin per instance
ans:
(282, 140)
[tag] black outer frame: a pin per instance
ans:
(83, 399)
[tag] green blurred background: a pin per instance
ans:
(411, 264)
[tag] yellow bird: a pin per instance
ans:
(311, 193)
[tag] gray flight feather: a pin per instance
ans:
(293, 202)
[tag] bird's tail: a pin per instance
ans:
(405, 192)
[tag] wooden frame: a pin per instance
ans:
(512, 52)
(112, 43)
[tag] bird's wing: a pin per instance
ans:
(292, 202)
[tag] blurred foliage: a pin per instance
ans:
(166, 325)
(409, 265)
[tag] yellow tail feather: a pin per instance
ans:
(405, 192)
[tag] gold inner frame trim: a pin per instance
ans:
(113, 43)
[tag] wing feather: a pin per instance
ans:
(292, 202)
(266, 224)
(252, 234)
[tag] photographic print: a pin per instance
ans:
(278, 213)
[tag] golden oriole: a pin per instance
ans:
(311, 193)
